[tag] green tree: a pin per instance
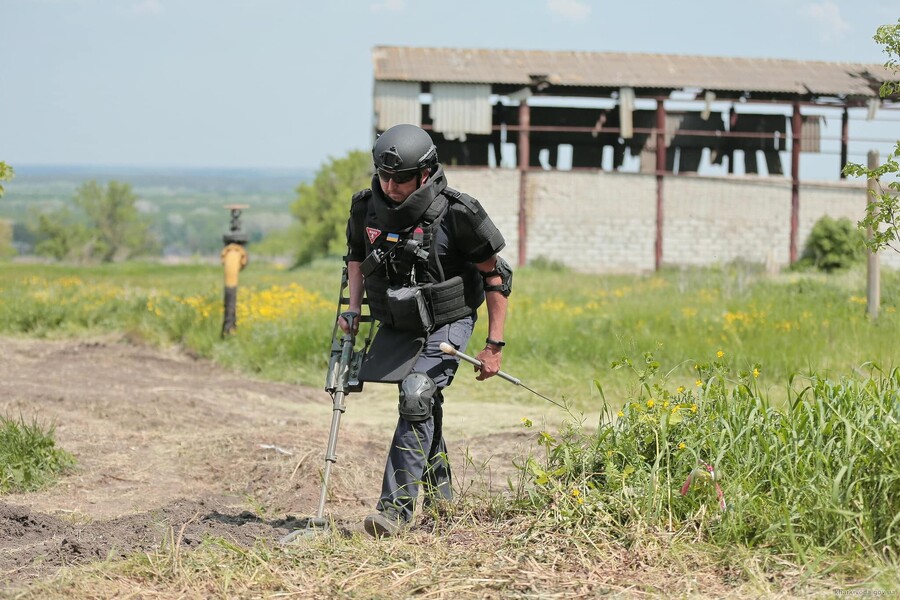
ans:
(6, 227)
(111, 227)
(118, 230)
(883, 213)
(60, 235)
(322, 207)
(6, 174)
(7, 249)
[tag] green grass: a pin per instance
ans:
(778, 390)
(563, 330)
(29, 458)
(820, 474)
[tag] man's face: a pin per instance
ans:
(398, 192)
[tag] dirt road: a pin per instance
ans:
(169, 445)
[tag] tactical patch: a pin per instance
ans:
(373, 234)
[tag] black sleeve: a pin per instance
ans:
(356, 225)
(476, 235)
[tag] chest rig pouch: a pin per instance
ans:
(407, 302)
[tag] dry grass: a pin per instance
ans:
(463, 554)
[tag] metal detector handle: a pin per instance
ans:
(448, 349)
(349, 316)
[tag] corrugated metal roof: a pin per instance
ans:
(613, 70)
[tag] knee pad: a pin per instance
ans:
(416, 393)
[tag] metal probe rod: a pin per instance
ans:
(448, 349)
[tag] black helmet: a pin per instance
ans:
(404, 148)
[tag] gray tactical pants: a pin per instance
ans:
(418, 454)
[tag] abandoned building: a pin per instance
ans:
(614, 162)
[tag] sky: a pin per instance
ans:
(288, 83)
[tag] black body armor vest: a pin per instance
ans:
(407, 258)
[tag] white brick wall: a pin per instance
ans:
(498, 192)
(605, 222)
(597, 222)
(717, 220)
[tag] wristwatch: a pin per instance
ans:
(497, 343)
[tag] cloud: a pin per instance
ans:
(387, 5)
(574, 10)
(826, 16)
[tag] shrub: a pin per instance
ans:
(833, 244)
(29, 458)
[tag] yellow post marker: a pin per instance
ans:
(234, 259)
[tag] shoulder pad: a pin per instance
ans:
(464, 199)
(361, 196)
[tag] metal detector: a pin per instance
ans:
(341, 379)
(448, 349)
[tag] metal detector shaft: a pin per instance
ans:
(448, 349)
(338, 409)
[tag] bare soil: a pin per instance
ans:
(171, 447)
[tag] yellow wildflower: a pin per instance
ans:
(720, 354)
(527, 422)
(576, 492)
(681, 446)
(756, 372)
(666, 404)
(699, 383)
(680, 389)
(693, 408)
(620, 414)
(650, 403)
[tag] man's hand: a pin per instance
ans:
(490, 359)
(345, 327)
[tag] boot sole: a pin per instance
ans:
(378, 526)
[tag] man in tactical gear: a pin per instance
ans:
(426, 257)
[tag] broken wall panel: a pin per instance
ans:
(690, 137)
(396, 102)
(687, 134)
(458, 110)
(811, 133)
(587, 145)
(473, 150)
(767, 133)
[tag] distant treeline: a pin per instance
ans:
(183, 209)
